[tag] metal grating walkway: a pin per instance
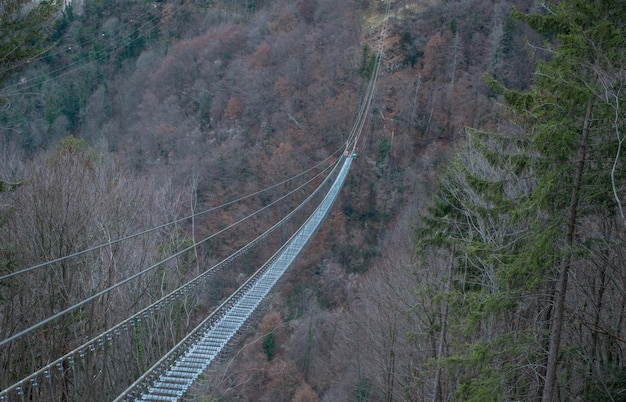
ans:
(233, 314)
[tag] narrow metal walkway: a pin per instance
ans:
(220, 328)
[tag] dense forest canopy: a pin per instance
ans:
(477, 250)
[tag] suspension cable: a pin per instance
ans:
(161, 226)
(355, 134)
(150, 268)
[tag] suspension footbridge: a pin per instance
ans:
(208, 340)
(90, 370)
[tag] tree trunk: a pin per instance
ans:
(438, 392)
(561, 290)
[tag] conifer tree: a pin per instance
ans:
(523, 214)
(571, 141)
(473, 225)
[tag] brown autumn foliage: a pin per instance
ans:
(233, 109)
(270, 323)
(305, 394)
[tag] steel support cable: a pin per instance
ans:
(134, 276)
(379, 58)
(359, 117)
(355, 131)
(287, 253)
(365, 106)
(362, 110)
(186, 344)
(354, 136)
(172, 296)
(164, 225)
(358, 133)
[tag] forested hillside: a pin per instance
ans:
(476, 251)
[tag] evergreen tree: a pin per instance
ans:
(522, 214)
(473, 224)
(573, 143)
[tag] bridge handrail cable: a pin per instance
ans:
(175, 294)
(296, 242)
(164, 225)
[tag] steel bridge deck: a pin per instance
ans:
(172, 384)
